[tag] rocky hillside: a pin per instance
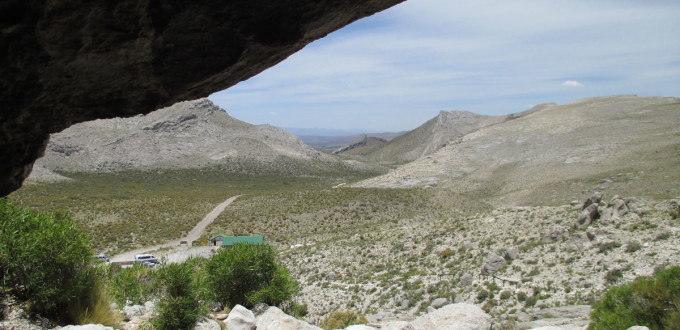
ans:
(186, 135)
(622, 144)
(363, 145)
(435, 134)
(525, 266)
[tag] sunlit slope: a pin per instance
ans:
(624, 144)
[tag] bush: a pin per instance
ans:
(248, 274)
(531, 301)
(46, 260)
(341, 320)
(446, 253)
(649, 301)
(180, 307)
(521, 296)
(613, 276)
(136, 284)
(633, 246)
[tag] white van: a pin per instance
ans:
(147, 259)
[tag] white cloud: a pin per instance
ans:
(486, 56)
(572, 83)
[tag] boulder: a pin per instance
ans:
(275, 319)
(638, 327)
(616, 208)
(594, 200)
(240, 318)
(454, 317)
(492, 263)
(511, 254)
(587, 216)
(439, 302)
(578, 242)
(86, 327)
(466, 279)
(331, 275)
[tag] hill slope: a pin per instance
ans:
(437, 133)
(624, 144)
(185, 135)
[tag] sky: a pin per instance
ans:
(398, 68)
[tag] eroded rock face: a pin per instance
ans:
(66, 62)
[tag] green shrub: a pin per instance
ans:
(633, 246)
(608, 246)
(179, 307)
(613, 276)
(446, 253)
(521, 296)
(482, 295)
(46, 260)
(531, 301)
(248, 274)
(649, 301)
(340, 320)
(505, 295)
(136, 284)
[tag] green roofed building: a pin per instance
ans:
(223, 240)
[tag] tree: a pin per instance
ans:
(248, 274)
(649, 301)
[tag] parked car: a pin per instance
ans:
(102, 257)
(147, 260)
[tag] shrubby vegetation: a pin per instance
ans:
(180, 306)
(339, 320)
(46, 261)
(649, 301)
(248, 274)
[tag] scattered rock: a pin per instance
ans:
(638, 327)
(579, 242)
(587, 216)
(454, 317)
(240, 318)
(492, 263)
(331, 275)
(557, 232)
(360, 327)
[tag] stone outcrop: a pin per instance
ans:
(492, 263)
(615, 209)
(587, 216)
(275, 319)
(66, 62)
(454, 316)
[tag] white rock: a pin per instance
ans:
(208, 324)
(439, 302)
(638, 327)
(86, 327)
(396, 325)
(240, 318)
(360, 327)
(276, 319)
(134, 311)
(454, 317)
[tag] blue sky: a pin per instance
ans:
(398, 68)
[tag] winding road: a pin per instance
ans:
(193, 235)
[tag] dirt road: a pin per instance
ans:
(193, 235)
